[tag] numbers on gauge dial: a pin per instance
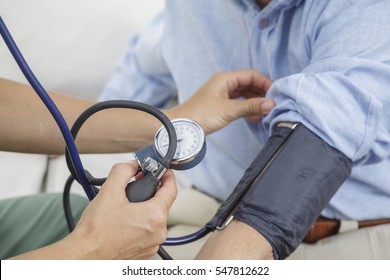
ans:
(190, 139)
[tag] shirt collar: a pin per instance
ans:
(273, 4)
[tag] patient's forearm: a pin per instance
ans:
(236, 241)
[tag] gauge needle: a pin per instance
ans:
(178, 141)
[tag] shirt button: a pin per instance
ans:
(264, 23)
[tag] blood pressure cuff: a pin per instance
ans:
(286, 187)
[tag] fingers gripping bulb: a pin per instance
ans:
(145, 188)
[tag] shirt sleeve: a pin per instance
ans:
(142, 75)
(343, 93)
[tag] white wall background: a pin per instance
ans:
(72, 46)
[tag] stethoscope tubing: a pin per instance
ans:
(49, 103)
(71, 150)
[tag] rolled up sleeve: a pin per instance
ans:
(342, 95)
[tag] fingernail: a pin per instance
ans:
(267, 106)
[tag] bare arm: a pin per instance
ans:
(237, 241)
(27, 126)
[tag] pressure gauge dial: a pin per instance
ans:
(190, 148)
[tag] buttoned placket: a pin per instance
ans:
(261, 25)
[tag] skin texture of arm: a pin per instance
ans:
(27, 126)
(237, 241)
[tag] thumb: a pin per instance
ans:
(167, 193)
(119, 176)
(254, 107)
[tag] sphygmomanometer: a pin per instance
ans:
(280, 195)
(286, 187)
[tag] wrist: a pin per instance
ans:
(173, 113)
(83, 246)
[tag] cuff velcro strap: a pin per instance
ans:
(286, 187)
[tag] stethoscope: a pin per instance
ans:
(179, 144)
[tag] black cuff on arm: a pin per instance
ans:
(290, 183)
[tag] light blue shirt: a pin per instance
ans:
(330, 63)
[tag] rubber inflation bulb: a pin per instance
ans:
(142, 189)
